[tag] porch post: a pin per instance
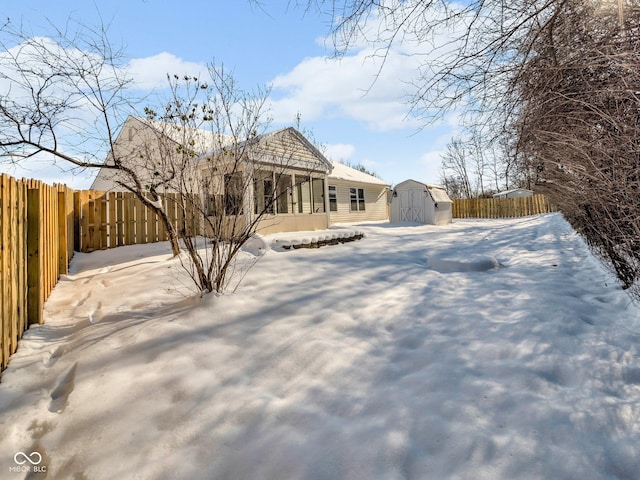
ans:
(326, 199)
(294, 195)
(249, 193)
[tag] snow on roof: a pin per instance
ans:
(342, 172)
(439, 194)
(204, 140)
(506, 192)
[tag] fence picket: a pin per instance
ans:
(5, 307)
(501, 207)
(112, 221)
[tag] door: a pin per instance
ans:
(411, 205)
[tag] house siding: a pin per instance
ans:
(291, 223)
(375, 197)
(135, 140)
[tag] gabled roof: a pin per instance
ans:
(343, 172)
(286, 147)
(437, 192)
(204, 140)
(266, 143)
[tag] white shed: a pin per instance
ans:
(413, 201)
(514, 193)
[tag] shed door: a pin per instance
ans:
(411, 205)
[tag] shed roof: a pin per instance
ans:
(343, 172)
(437, 192)
(506, 192)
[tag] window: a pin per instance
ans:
(267, 192)
(304, 194)
(357, 199)
(213, 205)
(263, 193)
(233, 194)
(333, 199)
(284, 194)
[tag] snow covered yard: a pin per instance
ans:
(487, 349)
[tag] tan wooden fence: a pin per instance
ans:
(36, 223)
(501, 207)
(42, 225)
(110, 219)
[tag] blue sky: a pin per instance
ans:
(274, 45)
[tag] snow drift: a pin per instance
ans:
(351, 361)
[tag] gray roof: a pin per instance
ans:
(343, 172)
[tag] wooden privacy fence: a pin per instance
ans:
(36, 232)
(113, 219)
(42, 225)
(501, 207)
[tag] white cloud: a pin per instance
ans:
(43, 167)
(370, 83)
(151, 72)
(339, 152)
(352, 87)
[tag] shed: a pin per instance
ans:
(513, 193)
(413, 201)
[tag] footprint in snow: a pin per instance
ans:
(60, 395)
(83, 299)
(96, 314)
(55, 355)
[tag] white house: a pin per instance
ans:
(355, 196)
(513, 193)
(145, 145)
(280, 181)
(413, 201)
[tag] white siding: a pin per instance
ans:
(375, 202)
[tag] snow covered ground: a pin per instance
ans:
(487, 349)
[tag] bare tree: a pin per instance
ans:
(579, 127)
(454, 171)
(65, 97)
(558, 80)
(230, 175)
(474, 166)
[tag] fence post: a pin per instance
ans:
(119, 219)
(14, 264)
(34, 276)
(112, 220)
(76, 221)
(102, 208)
(5, 326)
(129, 219)
(63, 233)
(85, 236)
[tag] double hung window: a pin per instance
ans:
(357, 199)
